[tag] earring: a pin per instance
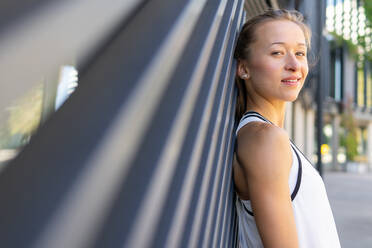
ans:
(244, 76)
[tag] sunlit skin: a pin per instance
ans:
(279, 52)
(274, 74)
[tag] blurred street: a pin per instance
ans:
(350, 195)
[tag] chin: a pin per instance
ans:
(291, 98)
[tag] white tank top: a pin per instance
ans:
(315, 225)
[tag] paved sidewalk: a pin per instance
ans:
(350, 196)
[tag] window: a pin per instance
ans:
(336, 75)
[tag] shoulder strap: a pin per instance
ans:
(255, 114)
(245, 119)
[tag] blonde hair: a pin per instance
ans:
(247, 36)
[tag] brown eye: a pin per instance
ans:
(302, 54)
(277, 53)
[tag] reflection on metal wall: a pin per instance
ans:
(254, 7)
(140, 154)
(39, 36)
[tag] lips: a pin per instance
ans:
(290, 81)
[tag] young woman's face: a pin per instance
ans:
(277, 64)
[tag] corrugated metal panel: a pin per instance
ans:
(255, 7)
(140, 154)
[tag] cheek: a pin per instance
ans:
(265, 70)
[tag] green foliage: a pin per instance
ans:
(351, 47)
(339, 40)
(368, 10)
(349, 141)
(348, 138)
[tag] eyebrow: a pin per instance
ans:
(282, 43)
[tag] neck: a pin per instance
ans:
(273, 112)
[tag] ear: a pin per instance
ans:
(242, 70)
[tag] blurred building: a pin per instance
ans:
(349, 91)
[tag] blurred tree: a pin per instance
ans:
(348, 137)
(368, 9)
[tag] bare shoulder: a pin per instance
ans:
(263, 149)
(264, 159)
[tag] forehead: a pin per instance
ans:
(279, 31)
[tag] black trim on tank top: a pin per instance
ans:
(302, 153)
(255, 114)
(299, 174)
(246, 209)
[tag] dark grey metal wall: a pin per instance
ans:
(140, 155)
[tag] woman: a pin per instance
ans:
(281, 198)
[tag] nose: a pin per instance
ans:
(292, 63)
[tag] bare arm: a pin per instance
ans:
(264, 154)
